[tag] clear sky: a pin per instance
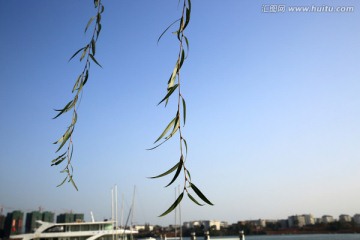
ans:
(272, 98)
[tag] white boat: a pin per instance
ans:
(76, 231)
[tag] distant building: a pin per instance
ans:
(70, 217)
(327, 219)
(2, 226)
(31, 218)
(284, 223)
(48, 217)
(357, 219)
(205, 224)
(296, 221)
(309, 219)
(345, 218)
(13, 223)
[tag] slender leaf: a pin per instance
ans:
(200, 194)
(84, 52)
(167, 29)
(184, 110)
(187, 46)
(93, 47)
(73, 183)
(177, 172)
(188, 173)
(188, 11)
(88, 24)
(76, 53)
(170, 91)
(93, 58)
(166, 129)
(168, 171)
(96, 3)
(194, 200)
(65, 138)
(77, 83)
(185, 145)
(182, 58)
(174, 205)
(62, 182)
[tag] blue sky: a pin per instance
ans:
(272, 99)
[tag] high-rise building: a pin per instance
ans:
(70, 217)
(48, 217)
(31, 218)
(2, 226)
(78, 217)
(13, 223)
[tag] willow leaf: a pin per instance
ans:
(84, 52)
(174, 205)
(93, 46)
(182, 58)
(188, 11)
(200, 194)
(58, 158)
(186, 147)
(88, 24)
(76, 53)
(77, 83)
(65, 138)
(177, 172)
(170, 91)
(194, 200)
(166, 129)
(73, 183)
(184, 110)
(168, 171)
(93, 58)
(62, 182)
(167, 29)
(187, 46)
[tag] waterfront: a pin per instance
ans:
(291, 237)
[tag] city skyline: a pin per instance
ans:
(272, 99)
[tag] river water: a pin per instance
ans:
(291, 237)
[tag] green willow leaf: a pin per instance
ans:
(200, 194)
(186, 147)
(173, 206)
(84, 52)
(170, 91)
(177, 172)
(182, 58)
(88, 24)
(173, 76)
(187, 46)
(168, 171)
(166, 130)
(93, 58)
(96, 3)
(76, 53)
(59, 158)
(194, 200)
(93, 47)
(73, 183)
(184, 110)
(98, 30)
(62, 182)
(65, 138)
(188, 11)
(67, 107)
(166, 30)
(77, 83)
(188, 173)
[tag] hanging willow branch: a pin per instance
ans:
(177, 123)
(87, 54)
